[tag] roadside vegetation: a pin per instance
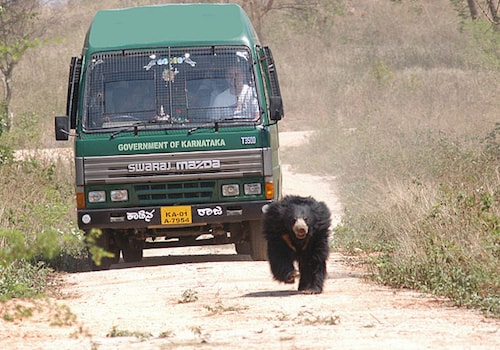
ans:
(409, 126)
(37, 229)
(405, 95)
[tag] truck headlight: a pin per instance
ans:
(97, 196)
(252, 189)
(119, 195)
(230, 190)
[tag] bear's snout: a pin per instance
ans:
(300, 228)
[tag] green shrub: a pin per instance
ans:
(6, 154)
(487, 39)
(438, 231)
(3, 116)
(15, 245)
(23, 279)
(37, 230)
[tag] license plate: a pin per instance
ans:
(177, 215)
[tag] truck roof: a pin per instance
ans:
(169, 25)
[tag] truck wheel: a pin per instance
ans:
(106, 242)
(258, 243)
(243, 248)
(133, 252)
(116, 258)
(237, 233)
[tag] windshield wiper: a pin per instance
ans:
(215, 124)
(136, 125)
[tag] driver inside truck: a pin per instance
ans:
(239, 99)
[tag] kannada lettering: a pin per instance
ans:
(141, 215)
(217, 211)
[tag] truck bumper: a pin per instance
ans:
(170, 216)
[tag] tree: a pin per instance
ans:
(308, 12)
(479, 9)
(493, 9)
(18, 33)
(473, 9)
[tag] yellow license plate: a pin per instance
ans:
(177, 215)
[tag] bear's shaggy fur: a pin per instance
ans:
(297, 229)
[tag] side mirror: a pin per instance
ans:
(276, 107)
(62, 128)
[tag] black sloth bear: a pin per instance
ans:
(296, 229)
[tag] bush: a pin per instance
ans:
(436, 229)
(402, 128)
(23, 279)
(37, 230)
(3, 116)
(6, 154)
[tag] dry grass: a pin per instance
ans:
(404, 102)
(407, 109)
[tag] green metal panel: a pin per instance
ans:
(170, 25)
(147, 142)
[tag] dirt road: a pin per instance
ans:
(211, 298)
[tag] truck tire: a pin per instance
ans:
(106, 242)
(243, 248)
(258, 243)
(241, 245)
(116, 258)
(133, 252)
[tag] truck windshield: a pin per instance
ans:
(183, 87)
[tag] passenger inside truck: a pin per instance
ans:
(135, 97)
(128, 101)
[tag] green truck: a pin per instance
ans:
(174, 114)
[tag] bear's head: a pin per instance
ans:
(300, 218)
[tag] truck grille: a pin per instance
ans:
(154, 168)
(176, 193)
